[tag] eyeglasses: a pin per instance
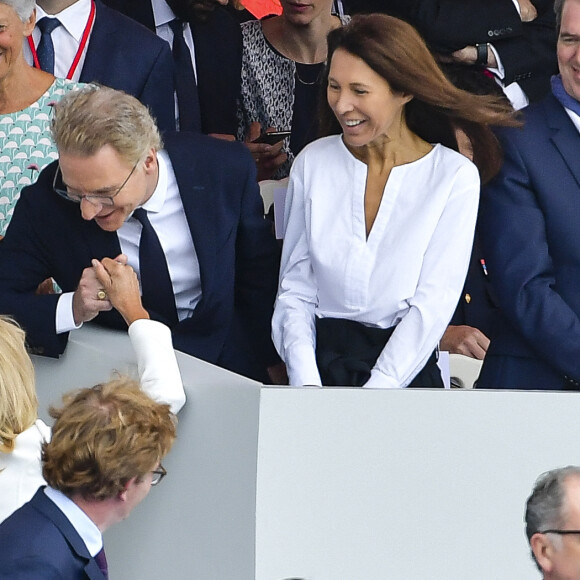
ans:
(158, 475)
(561, 532)
(93, 198)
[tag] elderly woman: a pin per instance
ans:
(282, 67)
(26, 96)
(380, 219)
(21, 432)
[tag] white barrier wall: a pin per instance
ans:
(331, 484)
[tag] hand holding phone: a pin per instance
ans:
(272, 137)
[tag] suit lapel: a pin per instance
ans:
(44, 505)
(565, 135)
(100, 37)
(197, 202)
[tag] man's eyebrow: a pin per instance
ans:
(569, 36)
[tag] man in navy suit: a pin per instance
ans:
(217, 41)
(104, 455)
(117, 52)
(189, 217)
(530, 218)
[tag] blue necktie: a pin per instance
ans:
(560, 93)
(185, 84)
(158, 297)
(45, 50)
(101, 561)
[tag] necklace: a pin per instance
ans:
(316, 80)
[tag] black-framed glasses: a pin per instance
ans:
(561, 532)
(92, 198)
(158, 474)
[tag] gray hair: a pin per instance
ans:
(23, 8)
(86, 120)
(546, 507)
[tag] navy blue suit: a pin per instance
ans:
(530, 229)
(237, 256)
(123, 55)
(218, 62)
(39, 543)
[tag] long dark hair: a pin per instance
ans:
(396, 51)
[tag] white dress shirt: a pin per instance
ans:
(84, 526)
(409, 272)
(66, 38)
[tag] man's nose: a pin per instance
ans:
(89, 210)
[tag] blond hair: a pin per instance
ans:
(105, 436)
(86, 120)
(18, 402)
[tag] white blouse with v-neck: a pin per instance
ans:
(409, 272)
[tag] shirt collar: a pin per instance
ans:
(85, 527)
(161, 12)
(74, 18)
(155, 202)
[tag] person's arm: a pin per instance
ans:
(441, 280)
(293, 328)
(156, 363)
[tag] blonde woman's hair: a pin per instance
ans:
(18, 402)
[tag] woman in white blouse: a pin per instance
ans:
(22, 432)
(380, 220)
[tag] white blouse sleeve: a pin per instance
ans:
(158, 370)
(441, 281)
(293, 330)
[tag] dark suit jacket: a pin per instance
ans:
(218, 62)
(124, 55)
(39, 543)
(235, 248)
(527, 50)
(529, 225)
(476, 307)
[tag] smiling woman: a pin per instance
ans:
(26, 98)
(380, 219)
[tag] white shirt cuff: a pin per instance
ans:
(301, 367)
(498, 71)
(379, 380)
(159, 374)
(65, 320)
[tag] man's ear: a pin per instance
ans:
(543, 550)
(150, 161)
(123, 494)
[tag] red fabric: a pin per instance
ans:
(261, 8)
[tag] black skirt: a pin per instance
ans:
(347, 350)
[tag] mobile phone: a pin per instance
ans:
(272, 138)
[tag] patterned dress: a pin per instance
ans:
(26, 146)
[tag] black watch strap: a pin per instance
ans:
(481, 54)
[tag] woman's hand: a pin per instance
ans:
(267, 157)
(121, 285)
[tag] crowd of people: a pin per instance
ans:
(134, 135)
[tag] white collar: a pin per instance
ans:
(74, 18)
(155, 202)
(85, 527)
(162, 13)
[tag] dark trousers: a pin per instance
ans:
(346, 352)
